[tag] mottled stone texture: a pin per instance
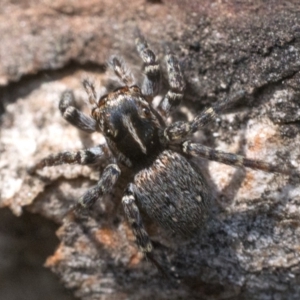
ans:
(250, 247)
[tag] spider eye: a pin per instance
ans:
(110, 132)
(146, 111)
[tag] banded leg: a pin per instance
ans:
(82, 157)
(151, 83)
(177, 85)
(179, 131)
(121, 70)
(73, 115)
(104, 186)
(90, 90)
(134, 218)
(195, 149)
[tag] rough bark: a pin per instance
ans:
(250, 248)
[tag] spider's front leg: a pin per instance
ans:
(151, 83)
(75, 116)
(195, 149)
(118, 65)
(177, 85)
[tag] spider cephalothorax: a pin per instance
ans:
(162, 182)
(130, 125)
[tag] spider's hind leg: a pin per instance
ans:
(83, 157)
(142, 238)
(198, 150)
(179, 131)
(135, 220)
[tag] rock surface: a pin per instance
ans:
(250, 249)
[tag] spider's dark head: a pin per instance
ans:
(130, 124)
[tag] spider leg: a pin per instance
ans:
(82, 157)
(179, 131)
(195, 149)
(90, 90)
(151, 83)
(134, 218)
(73, 115)
(177, 85)
(106, 183)
(142, 238)
(121, 70)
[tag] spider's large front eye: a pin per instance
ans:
(110, 132)
(146, 111)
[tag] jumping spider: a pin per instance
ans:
(152, 157)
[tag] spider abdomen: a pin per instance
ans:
(173, 193)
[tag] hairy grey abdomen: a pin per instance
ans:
(173, 193)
